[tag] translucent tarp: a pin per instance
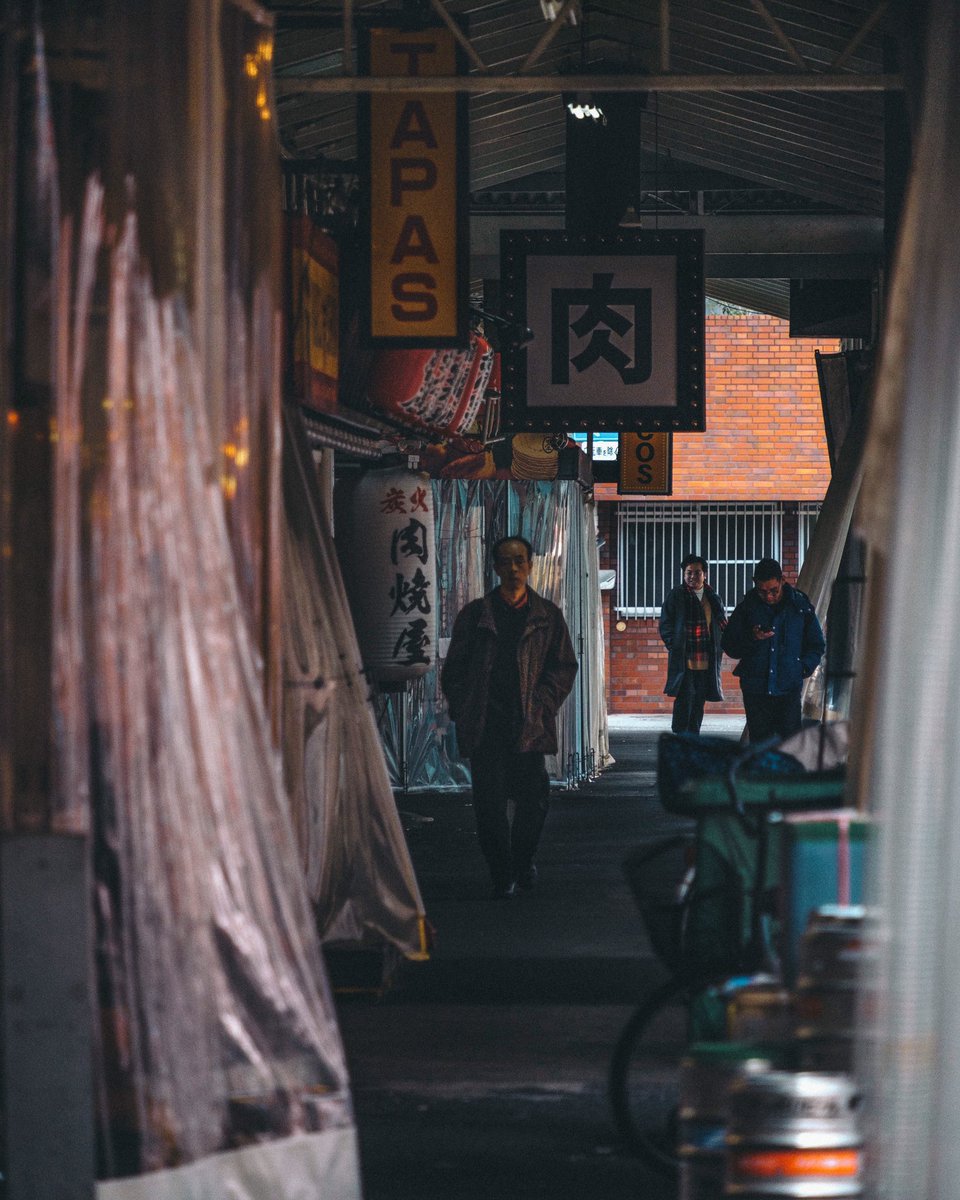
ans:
(907, 714)
(355, 859)
(832, 576)
(218, 1027)
(555, 517)
(419, 738)
(220, 1068)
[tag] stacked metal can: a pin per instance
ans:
(793, 1134)
(831, 956)
(706, 1074)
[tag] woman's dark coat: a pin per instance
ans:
(673, 634)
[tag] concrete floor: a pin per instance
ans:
(482, 1073)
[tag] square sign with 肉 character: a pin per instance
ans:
(618, 331)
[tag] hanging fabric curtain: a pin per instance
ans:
(906, 715)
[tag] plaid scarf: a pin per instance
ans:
(698, 630)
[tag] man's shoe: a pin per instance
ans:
(526, 879)
(504, 891)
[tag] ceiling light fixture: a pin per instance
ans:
(551, 10)
(582, 107)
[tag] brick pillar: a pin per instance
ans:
(790, 547)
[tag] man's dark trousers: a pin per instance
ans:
(772, 716)
(689, 702)
(500, 776)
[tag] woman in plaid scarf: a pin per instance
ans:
(691, 621)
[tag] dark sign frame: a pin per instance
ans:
(520, 249)
(365, 28)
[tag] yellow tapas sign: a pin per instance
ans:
(416, 207)
(646, 464)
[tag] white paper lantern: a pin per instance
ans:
(388, 549)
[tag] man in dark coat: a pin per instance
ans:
(509, 667)
(775, 633)
(691, 621)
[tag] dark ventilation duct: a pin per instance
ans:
(831, 308)
(602, 158)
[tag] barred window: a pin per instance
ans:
(653, 538)
(809, 511)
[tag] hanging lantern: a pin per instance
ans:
(385, 534)
(439, 391)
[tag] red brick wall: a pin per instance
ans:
(764, 442)
(764, 438)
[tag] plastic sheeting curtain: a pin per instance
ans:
(910, 513)
(219, 1051)
(358, 870)
(554, 517)
(419, 738)
(192, 130)
(218, 1027)
(832, 576)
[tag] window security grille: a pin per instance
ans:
(809, 510)
(653, 538)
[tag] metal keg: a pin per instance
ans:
(832, 952)
(706, 1072)
(793, 1134)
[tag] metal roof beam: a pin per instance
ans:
(737, 240)
(550, 33)
(800, 82)
(859, 36)
(775, 28)
(790, 266)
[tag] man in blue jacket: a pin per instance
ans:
(775, 634)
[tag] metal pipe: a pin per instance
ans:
(664, 35)
(290, 85)
(348, 65)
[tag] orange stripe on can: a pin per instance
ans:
(791, 1164)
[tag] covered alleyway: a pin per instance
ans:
(482, 1073)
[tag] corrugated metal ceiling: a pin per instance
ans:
(825, 147)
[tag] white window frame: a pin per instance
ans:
(808, 512)
(698, 526)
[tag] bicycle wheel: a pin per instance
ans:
(644, 1080)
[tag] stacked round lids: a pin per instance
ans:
(534, 456)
